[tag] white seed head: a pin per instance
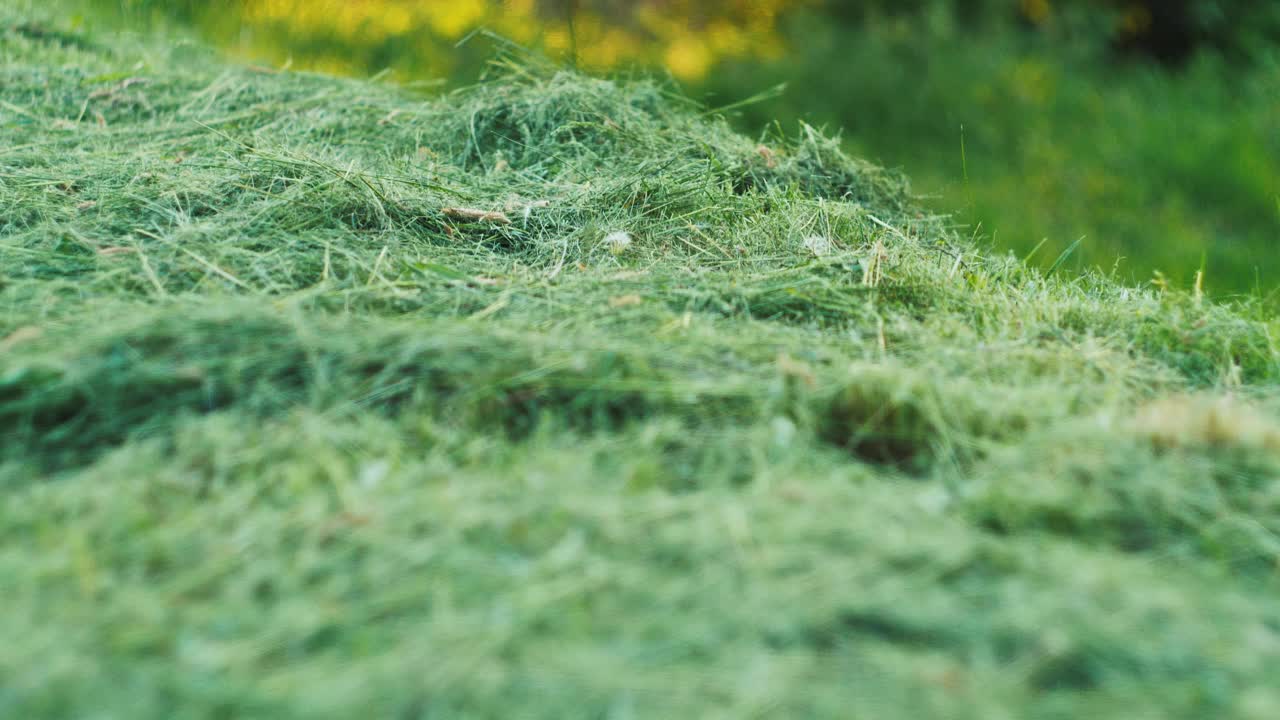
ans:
(818, 245)
(618, 242)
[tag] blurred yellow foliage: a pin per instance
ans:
(1136, 20)
(1036, 11)
(686, 36)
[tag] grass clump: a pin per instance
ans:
(320, 398)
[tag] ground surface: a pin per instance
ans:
(554, 398)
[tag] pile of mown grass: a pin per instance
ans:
(552, 397)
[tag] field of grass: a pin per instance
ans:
(554, 397)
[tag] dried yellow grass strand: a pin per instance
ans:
(1219, 422)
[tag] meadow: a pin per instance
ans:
(555, 396)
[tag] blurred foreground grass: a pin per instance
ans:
(554, 397)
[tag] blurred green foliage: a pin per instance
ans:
(1054, 130)
(1172, 31)
(1146, 127)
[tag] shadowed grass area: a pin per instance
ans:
(554, 397)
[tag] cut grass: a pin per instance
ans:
(320, 399)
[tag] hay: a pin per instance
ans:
(321, 398)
